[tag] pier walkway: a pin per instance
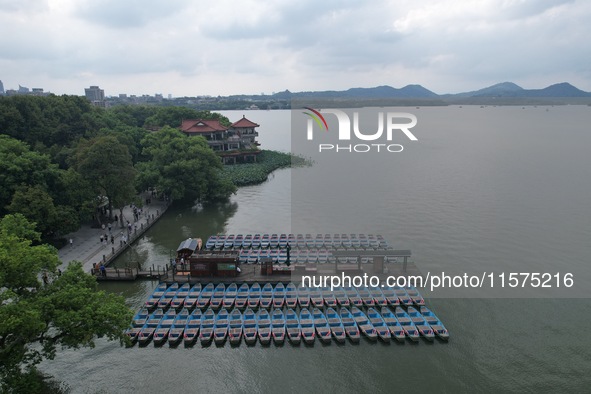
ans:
(87, 248)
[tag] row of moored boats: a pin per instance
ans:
(187, 316)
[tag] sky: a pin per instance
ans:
(224, 47)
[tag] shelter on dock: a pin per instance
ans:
(208, 263)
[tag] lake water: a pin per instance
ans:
(501, 189)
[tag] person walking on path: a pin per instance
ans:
(71, 242)
(103, 271)
(109, 226)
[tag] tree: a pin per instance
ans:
(106, 164)
(182, 167)
(173, 116)
(36, 317)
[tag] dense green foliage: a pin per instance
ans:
(267, 162)
(41, 311)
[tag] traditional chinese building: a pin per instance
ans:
(234, 144)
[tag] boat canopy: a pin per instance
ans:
(189, 244)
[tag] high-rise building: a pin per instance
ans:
(95, 95)
(1, 88)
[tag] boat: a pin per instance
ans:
(307, 325)
(229, 242)
(438, 327)
(283, 241)
(147, 331)
(391, 297)
(192, 327)
(168, 295)
(279, 295)
(415, 296)
(265, 241)
(161, 333)
(178, 301)
(256, 241)
(266, 296)
(230, 296)
(409, 327)
(278, 326)
(378, 296)
(207, 323)
(366, 297)
(140, 318)
(242, 296)
(191, 300)
(254, 295)
(175, 335)
(205, 296)
(350, 325)
(211, 241)
(249, 326)
(235, 327)
(421, 324)
(329, 298)
(379, 324)
(291, 295)
(220, 327)
(264, 326)
(218, 296)
(293, 328)
(158, 292)
(303, 297)
(274, 241)
(316, 297)
(402, 296)
(364, 324)
(341, 296)
(219, 242)
(238, 241)
(396, 329)
(247, 241)
(336, 325)
(354, 298)
(321, 325)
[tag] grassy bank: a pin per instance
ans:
(267, 162)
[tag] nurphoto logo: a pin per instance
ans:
(351, 131)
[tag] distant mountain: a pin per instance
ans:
(409, 91)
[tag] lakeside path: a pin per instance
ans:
(87, 248)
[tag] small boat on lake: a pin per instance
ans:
(140, 318)
(379, 324)
(354, 298)
(341, 296)
(266, 296)
(169, 294)
(152, 301)
(396, 329)
(378, 296)
(220, 328)
(421, 324)
(402, 296)
(249, 326)
(415, 296)
(220, 241)
(254, 295)
(238, 241)
(274, 241)
(316, 297)
(207, 323)
(229, 242)
(230, 296)
(149, 327)
(303, 297)
(205, 296)
(435, 323)
(336, 325)
(247, 241)
(407, 324)
(264, 326)
(175, 335)
(211, 241)
(242, 296)
(321, 325)
(293, 328)
(351, 328)
(391, 296)
(278, 326)
(307, 325)
(217, 297)
(192, 327)
(235, 327)
(191, 300)
(291, 295)
(364, 324)
(179, 298)
(329, 298)
(265, 241)
(279, 295)
(256, 241)
(161, 333)
(366, 297)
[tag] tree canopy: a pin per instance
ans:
(41, 310)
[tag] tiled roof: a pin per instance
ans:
(201, 126)
(244, 123)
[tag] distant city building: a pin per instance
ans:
(95, 95)
(234, 144)
(23, 89)
(1, 88)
